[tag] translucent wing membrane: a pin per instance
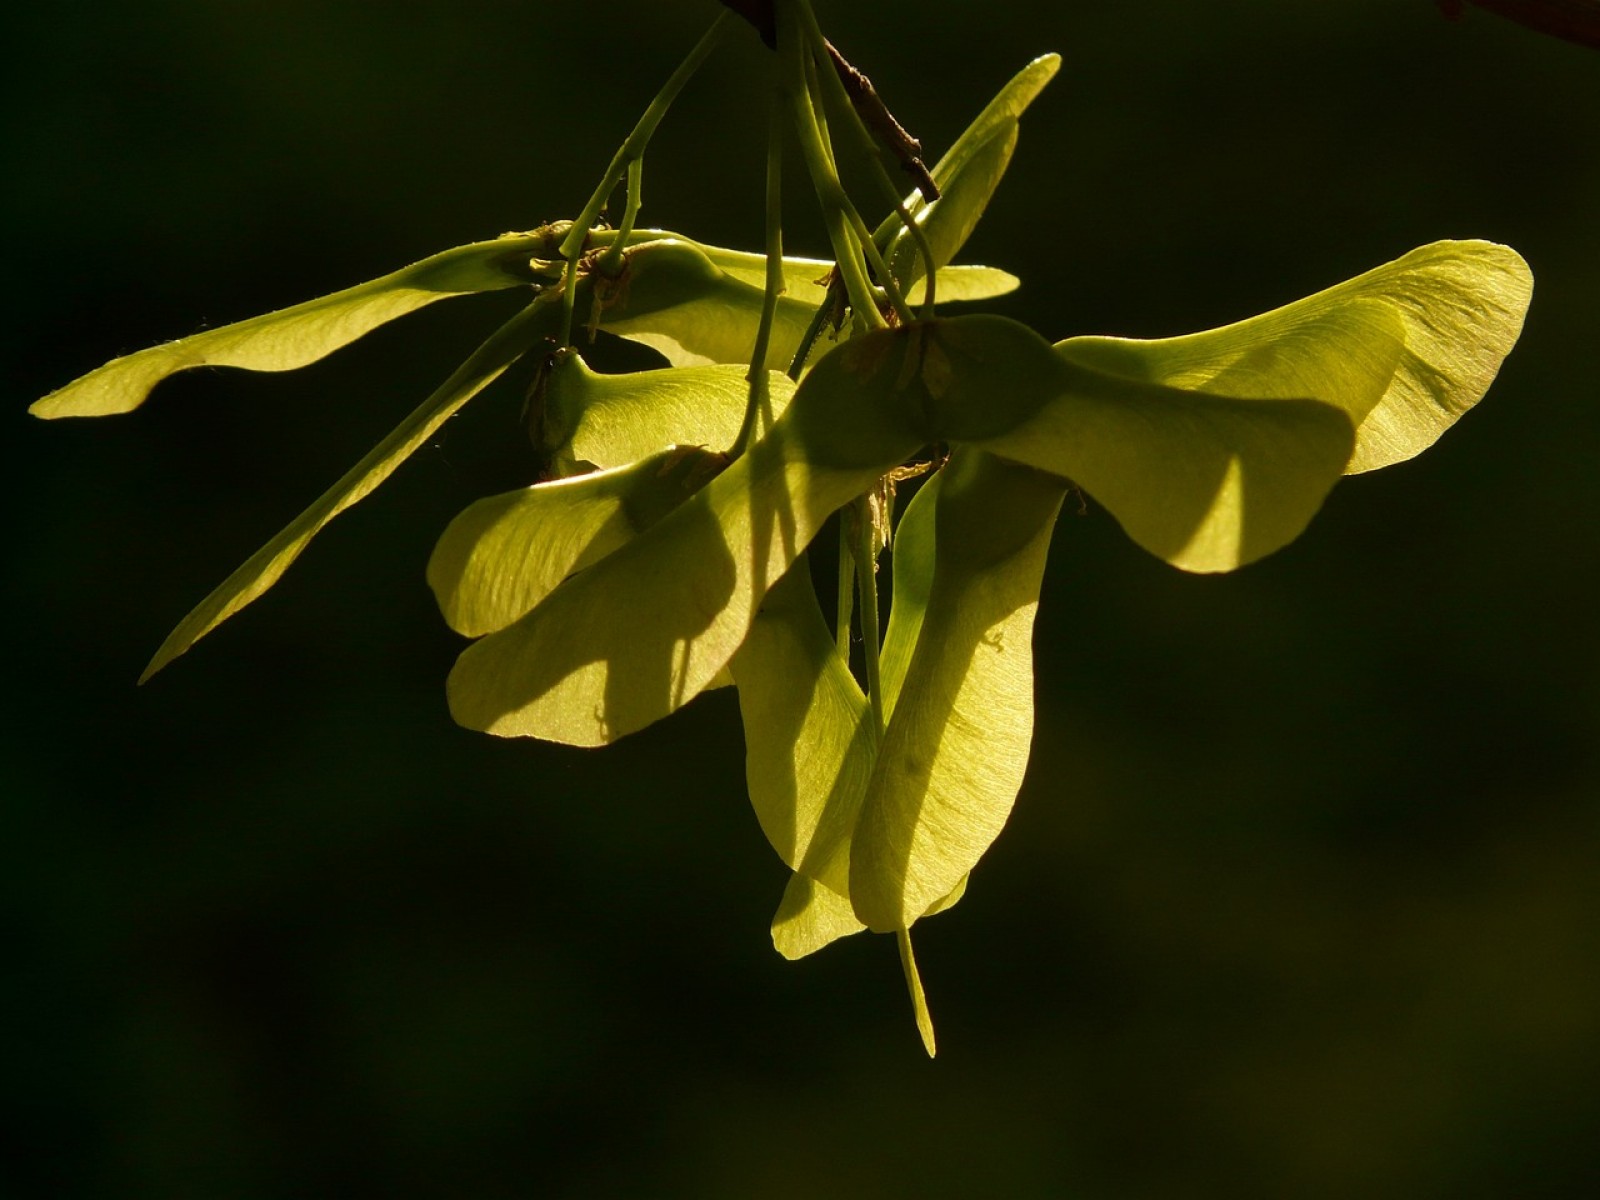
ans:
(805, 279)
(957, 740)
(714, 314)
(1206, 482)
(809, 735)
(967, 176)
(1404, 350)
(268, 564)
(645, 630)
(304, 333)
(810, 917)
(611, 420)
(506, 553)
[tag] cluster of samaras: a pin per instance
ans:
(655, 563)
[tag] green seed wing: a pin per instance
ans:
(612, 420)
(957, 742)
(302, 334)
(1404, 349)
(267, 565)
(967, 175)
(503, 554)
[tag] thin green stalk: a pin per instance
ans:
(611, 261)
(569, 291)
(759, 401)
(891, 286)
(631, 151)
(821, 114)
(847, 591)
(866, 563)
(813, 331)
(828, 81)
(830, 192)
(815, 73)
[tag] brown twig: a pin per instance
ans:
(877, 117)
(863, 97)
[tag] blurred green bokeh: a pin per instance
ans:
(1300, 898)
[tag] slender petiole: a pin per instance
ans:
(845, 606)
(759, 403)
(858, 228)
(813, 331)
(866, 564)
(611, 261)
(630, 151)
(847, 249)
(830, 82)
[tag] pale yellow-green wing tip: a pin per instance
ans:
(809, 917)
(919, 1000)
(301, 334)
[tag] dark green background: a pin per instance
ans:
(1300, 898)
